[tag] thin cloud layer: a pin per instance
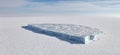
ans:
(12, 3)
(59, 6)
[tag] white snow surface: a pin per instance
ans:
(15, 40)
(70, 29)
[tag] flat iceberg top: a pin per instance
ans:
(70, 29)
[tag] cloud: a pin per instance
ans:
(61, 6)
(68, 0)
(12, 3)
(73, 6)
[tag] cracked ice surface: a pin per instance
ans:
(70, 29)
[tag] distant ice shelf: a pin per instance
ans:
(74, 34)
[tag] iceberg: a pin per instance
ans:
(74, 34)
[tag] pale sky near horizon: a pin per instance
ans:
(36, 7)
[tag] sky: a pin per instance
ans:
(74, 7)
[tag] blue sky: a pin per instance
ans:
(33, 7)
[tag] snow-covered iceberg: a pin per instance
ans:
(67, 32)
